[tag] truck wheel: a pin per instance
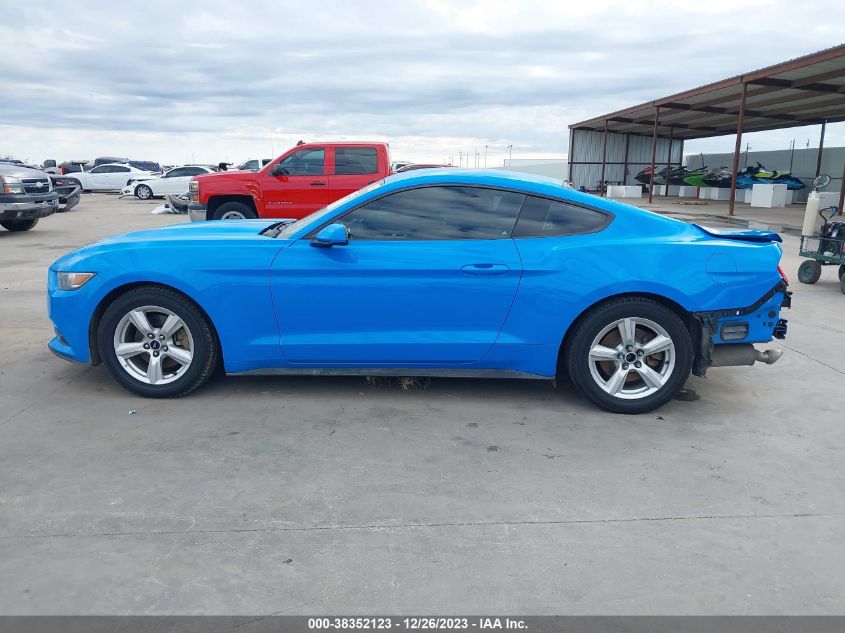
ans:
(841, 272)
(234, 211)
(143, 192)
(19, 225)
(629, 355)
(809, 271)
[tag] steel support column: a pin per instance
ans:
(571, 152)
(625, 160)
(668, 162)
(739, 123)
(653, 153)
(842, 191)
(821, 150)
(602, 188)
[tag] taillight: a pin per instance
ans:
(783, 275)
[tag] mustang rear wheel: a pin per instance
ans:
(157, 343)
(630, 355)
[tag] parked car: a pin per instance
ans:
(146, 165)
(110, 177)
(415, 166)
(26, 196)
(253, 164)
(50, 167)
(69, 191)
(108, 160)
(445, 273)
(176, 180)
(74, 166)
(300, 181)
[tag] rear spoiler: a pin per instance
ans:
(744, 235)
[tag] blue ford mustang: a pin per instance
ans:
(434, 272)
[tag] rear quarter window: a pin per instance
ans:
(542, 217)
(355, 160)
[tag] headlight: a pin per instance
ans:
(11, 184)
(194, 187)
(73, 281)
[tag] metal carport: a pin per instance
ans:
(807, 90)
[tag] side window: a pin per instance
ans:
(193, 171)
(119, 169)
(436, 213)
(541, 217)
(99, 170)
(355, 160)
(177, 173)
(306, 162)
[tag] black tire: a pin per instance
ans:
(809, 271)
(580, 368)
(206, 349)
(233, 208)
(842, 284)
(841, 272)
(143, 192)
(19, 225)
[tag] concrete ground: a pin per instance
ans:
(330, 495)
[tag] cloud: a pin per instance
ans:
(233, 79)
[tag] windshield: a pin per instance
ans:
(315, 217)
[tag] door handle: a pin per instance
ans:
(318, 183)
(484, 269)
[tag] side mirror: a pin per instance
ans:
(331, 235)
(278, 170)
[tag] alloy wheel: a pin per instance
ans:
(233, 215)
(632, 358)
(153, 345)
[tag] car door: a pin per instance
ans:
(354, 167)
(427, 277)
(116, 178)
(302, 190)
(174, 181)
(97, 178)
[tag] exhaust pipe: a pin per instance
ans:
(742, 354)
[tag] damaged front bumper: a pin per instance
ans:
(727, 337)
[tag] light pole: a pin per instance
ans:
(485, 157)
(510, 155)
(791, 154)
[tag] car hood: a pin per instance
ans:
(179, 233)
(229, 229)
(20, 171)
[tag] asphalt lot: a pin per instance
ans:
(332, 495)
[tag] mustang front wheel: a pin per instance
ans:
(630, 355)
(157, 343)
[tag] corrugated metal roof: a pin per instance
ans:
(804, 91)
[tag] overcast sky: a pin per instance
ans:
(177, 81)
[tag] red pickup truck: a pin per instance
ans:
(297, 183)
